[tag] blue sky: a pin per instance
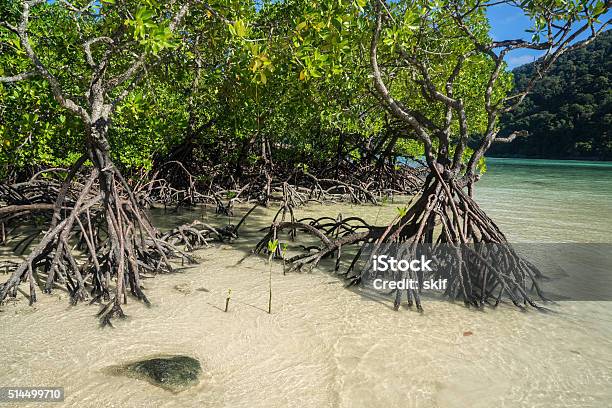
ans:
(509, 22)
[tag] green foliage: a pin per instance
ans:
(33, 129)
(272, 245)
(294, 75)
(154, 36)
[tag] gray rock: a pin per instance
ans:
(173, 373)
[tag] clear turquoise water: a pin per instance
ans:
(549, 200)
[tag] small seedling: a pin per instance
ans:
(284, 250)
(227, 299)
(272, 245)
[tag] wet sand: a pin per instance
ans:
(322, 346)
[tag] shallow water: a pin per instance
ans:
(549, 200)
(326, 346)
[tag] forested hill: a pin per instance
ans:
(569, 113)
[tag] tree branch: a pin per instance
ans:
(19, 77)
(216, 14)
(87, 48)
(381, 88)
(512, 136)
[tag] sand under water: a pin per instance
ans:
(322, 346)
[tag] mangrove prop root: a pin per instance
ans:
(98, 242)
(460, 223)
(173, 185)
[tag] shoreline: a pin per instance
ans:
(574, 160)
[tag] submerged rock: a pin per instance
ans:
(184, 288)
(174, 373)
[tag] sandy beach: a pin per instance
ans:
(322, 346)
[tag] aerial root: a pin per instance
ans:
(173, 185)
(482, 267)
(98, 243)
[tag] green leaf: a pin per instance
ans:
(240, 28)
(272, 245)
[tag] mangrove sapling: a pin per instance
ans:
(402, 211)
(227, 299)
(284, 256)
(272, 246)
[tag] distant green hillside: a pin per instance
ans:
(569, 113)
